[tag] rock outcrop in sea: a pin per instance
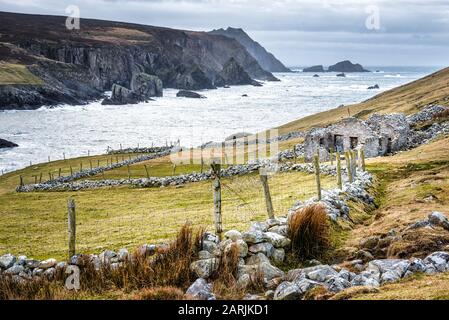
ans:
(7, 144)
(318, 68)
(189, 94)
(347, 66)
(234, 74)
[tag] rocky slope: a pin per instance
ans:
(79, 65)
(266, 59)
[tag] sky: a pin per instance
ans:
(298, 32)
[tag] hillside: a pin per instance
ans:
(408, 99)
(79, 65)
(266, 59)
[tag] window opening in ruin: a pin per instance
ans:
(354, 141)
(338, 143)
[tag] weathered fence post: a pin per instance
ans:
(216, 168)
(21, 181)
(35, 179)
(362, 156)
(354, 164)
(49, 176)
(71, 171)
(98, 163)
(129, 172)
(174, 169)
(348, 166)
(59, 173)
(72, 226)
(40, 177)
(266, 192)
(202, 160)
(316, 159)
(90, 162)
(339, 181)
(63, 155)
(146, 170)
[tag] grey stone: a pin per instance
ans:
(50, 273)
(346, 275)
(337, 284)
(107, 255)
(7, 261)
(46, 264)
(287, 291)
(254, 236)
(278, 256)
(439, 219)
(22, 260)
(269, 271)
(210, 246)
(123, 255)
(264, 247)
(389, 276)
(397, 265)
(277, 240)
(241, 245)
(257, 259)
(204, 268)
(234, 235)
(32, 263)
(416, 265)
(282, 230)
(322, 273)
(201, 290)
(203, 254)
(14, 270)
(438, 260)
(370, 242)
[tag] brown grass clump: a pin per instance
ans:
(226, 276)
(418, 243)
(353, 291)
(158, 275)
(160, 293)
(310, 232)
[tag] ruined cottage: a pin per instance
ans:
(379, 135)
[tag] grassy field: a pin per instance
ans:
(408, 98)
(35, 223)
(17, 74)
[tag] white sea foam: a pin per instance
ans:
(75, 130)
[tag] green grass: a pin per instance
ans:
(35, 223)
(17, 74)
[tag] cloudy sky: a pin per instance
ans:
(299, 32)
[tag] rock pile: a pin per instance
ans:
(426, 114)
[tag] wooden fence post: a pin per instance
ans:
(98, 163)
(35, 179)
(71, 171)
(59, 173)
(216, 168)
(332, 156)
(174, 169)
(339, 181)
(71, 226)
(129, 172)
(348, 166)
(21, 181)
(90, 162)
(49, 175)
(316, 159)
(146, 170)
(40, 177)
(266, 192)
(354, 164)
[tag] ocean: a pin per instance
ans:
(79, 130)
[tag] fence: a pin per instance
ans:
(126, 217)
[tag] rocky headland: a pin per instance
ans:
(78, 66)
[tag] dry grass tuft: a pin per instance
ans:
(310, 232)
(418, 243)
(160, 293)
(353, 291)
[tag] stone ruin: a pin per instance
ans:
(378, 136)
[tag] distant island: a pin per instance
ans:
(343, 66)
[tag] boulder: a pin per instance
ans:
(203, 255)
(278, 256)
(322, 273)
(264, 247)
(438, 260)
(7, 261)
(7, 144)
(277, 240)
(49, 263)
(14, 270)
(210, 246)
(233, 235)
(241, 245)
(287, 291)
(121, 95)
(189, 94)
(201, 290)
(257, 259)
(376, 86)
(254, 236)
(337, 284)
(439, 219)
(393, 265)
(123, 255)
(342, 75)
(204, 268)
(146, 86)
